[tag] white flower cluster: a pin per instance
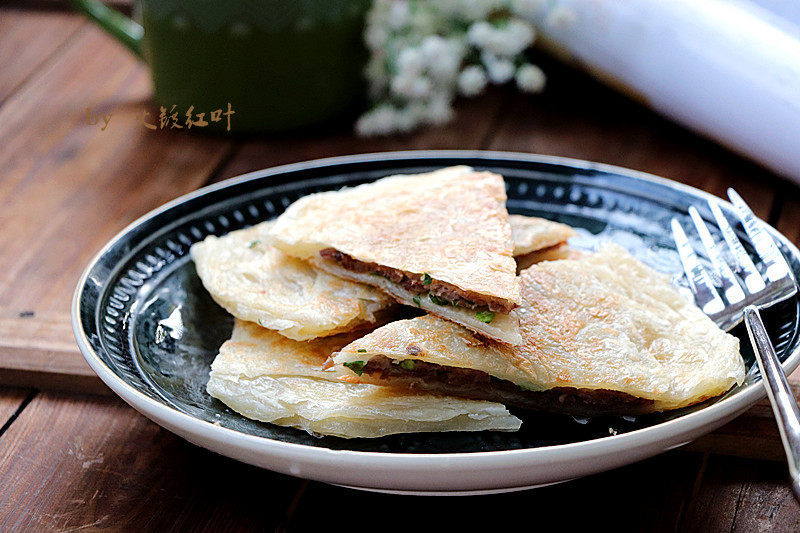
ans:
(423, 53)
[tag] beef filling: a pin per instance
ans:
(419, 284)
(476, 384)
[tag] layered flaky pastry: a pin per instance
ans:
(265, 376)
(439, 241)
(531, 234)
(551, 253)
(601, 334)
(257, 282)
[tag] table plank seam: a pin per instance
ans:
(18, 411)
(739, 498)
(690, 501)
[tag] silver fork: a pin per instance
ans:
(734, 290)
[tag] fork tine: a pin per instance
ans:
(777, 267)
(705, 294)
(730, 287)
(752, 279)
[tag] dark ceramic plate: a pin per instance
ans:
(146, 324)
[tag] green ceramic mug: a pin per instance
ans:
(281, 64)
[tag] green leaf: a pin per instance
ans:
(362, 350)
(356, 366)
(485, 316)
(407, 364)
(426, 279)
(417, 301)
(438, 301)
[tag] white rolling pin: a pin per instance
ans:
(727, 69)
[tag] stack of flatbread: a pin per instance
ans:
(416, 303)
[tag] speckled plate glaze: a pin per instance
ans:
(148, 328)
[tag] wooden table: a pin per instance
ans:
(73, 457)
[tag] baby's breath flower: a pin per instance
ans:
(530, 78)
(375, 36)
(400, 14)
(423, 21)
(472, 81)
(421, 88)
(443, 57)
(380, 121)
(434, 46)
(509, 40)
(410, 61)
(440, 111)
(479, 33)
(500, 69)
(410, 86)
(405, 120)
(422, 54)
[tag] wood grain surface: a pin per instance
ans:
(11, 400)
(85, 462)
(68, 187)
(28, 39)
(72, 462)
(733, 494)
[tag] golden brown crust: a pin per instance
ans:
(606, 321)
(533, 233)
(268, 377)
(451, 224)
(553, 253)
(257, 282)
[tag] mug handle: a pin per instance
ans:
(124, 29)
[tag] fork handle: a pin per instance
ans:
(780, 395)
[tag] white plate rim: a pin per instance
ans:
(218, 438)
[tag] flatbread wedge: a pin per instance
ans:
(265, 376)
(439, 241)
(531, 234)
(603, 334)
(257, 282)
(551, 253)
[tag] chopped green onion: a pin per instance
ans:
(417, 301)
(362, 350)
(438, 301)
(426, 279)
(356, 366)
(253, 244)
(485, 316)
(407, 364)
